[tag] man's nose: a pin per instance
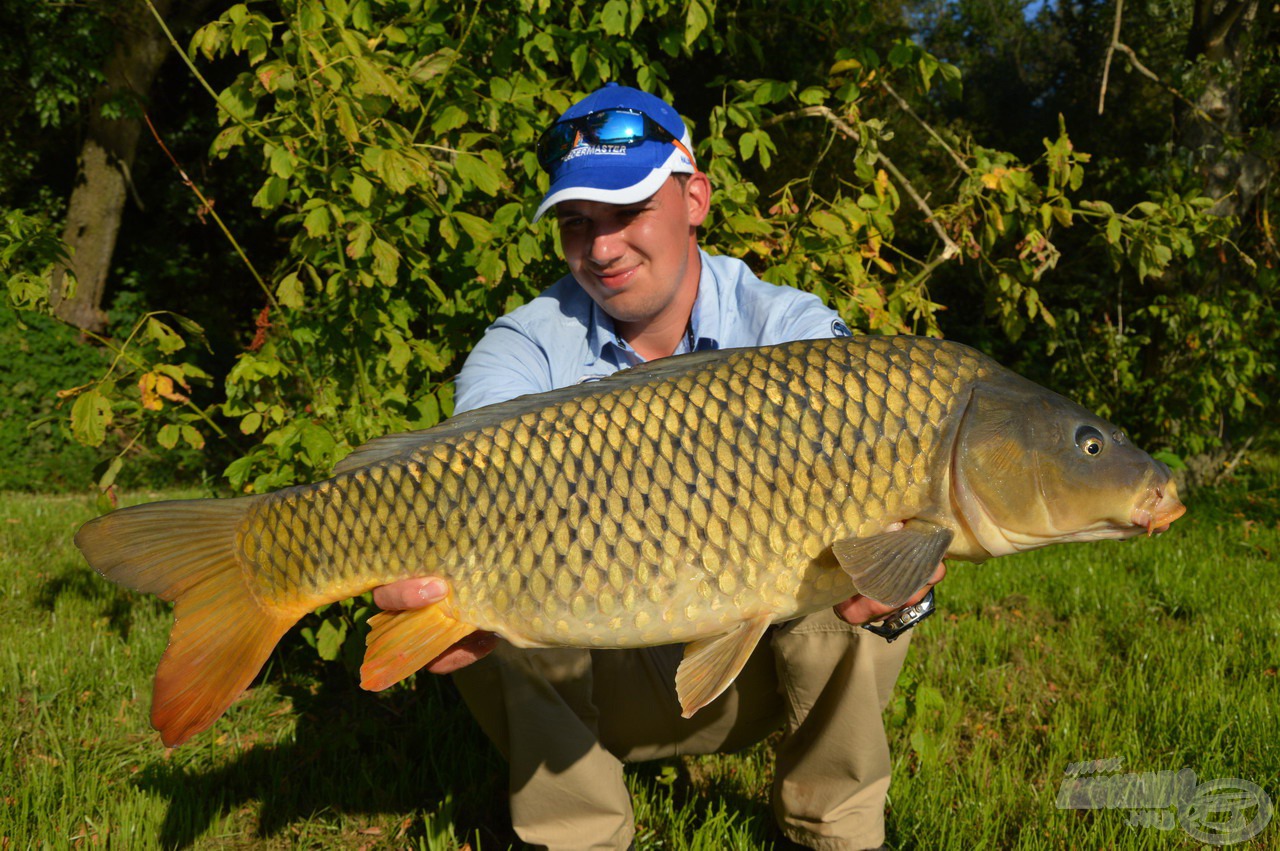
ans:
(606, 246)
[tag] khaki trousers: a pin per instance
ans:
(566, 720)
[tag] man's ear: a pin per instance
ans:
(697, 195)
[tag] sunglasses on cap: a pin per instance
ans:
(618, 126)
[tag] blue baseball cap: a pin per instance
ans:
(618, 174)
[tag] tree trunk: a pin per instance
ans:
(1220, 34)
(103, 170)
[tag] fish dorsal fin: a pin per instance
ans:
(400, 643)
(394, 445)
(710, 665)
(892, 566)
(382, 449)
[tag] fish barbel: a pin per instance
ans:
(695, 499)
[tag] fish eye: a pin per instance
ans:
(1090, 440)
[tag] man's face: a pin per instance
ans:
(635, 260)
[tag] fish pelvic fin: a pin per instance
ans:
(185, 551)
(710, 665)
(400, 643)
(892, 566)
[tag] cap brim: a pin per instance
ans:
(613, 185)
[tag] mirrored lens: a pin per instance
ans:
(616, 127)
(556, 142)
(607, 127)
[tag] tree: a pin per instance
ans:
(105, 163)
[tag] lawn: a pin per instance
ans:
(1158, 655)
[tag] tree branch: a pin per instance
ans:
(950, 249)
(1111, 49)
(906, 107)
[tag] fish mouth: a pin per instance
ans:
(1160, 508)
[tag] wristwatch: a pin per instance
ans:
(901, 621)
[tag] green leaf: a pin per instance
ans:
(113, 470)
(829, 223)
(358, 240)
(1172, 461)
(386, 261)
(165, 337)
(578, 60)
(479, 173)
(237, 100)
(317, 444)
(813, 95)
(398, 352)
(271, 194)
(695, 21)
(770, 91)
(329, 639)
(347, 123)
(251, 422)
(168, 436)
(613, 17)
(317, 222)
(361, 190)
(450, 118)
(193, 438)
(477, 228)
(282, 163)
(1113, 230)
(289, 291)
(228, 138)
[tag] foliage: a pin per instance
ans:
(51, 64)
(34, 364)
(393, 143)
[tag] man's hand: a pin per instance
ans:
(417, 593)
(858, 609)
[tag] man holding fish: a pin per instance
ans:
(686, 542)
(629, 199)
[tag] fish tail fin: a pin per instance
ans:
(400, 643)
(185, 551)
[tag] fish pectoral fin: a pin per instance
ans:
(400, 643)
(711, 664)
(892, 566)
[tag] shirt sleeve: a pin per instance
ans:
(506, 363)
(807, 318)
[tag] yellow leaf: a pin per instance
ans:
(164, 387)
(147, 386)
(991, 180)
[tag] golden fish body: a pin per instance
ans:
(649, 513)
(695, 499)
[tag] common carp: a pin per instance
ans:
(695, 499)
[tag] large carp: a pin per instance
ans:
(694, 499)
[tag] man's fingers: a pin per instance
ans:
(859, 610)
(410, 594)
(475, 646)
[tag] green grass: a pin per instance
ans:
(1162, 653)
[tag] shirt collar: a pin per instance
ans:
(705, 321)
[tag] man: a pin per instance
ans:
(629, 200)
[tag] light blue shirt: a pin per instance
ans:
(562, 337)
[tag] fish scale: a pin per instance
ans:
(694, 499)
